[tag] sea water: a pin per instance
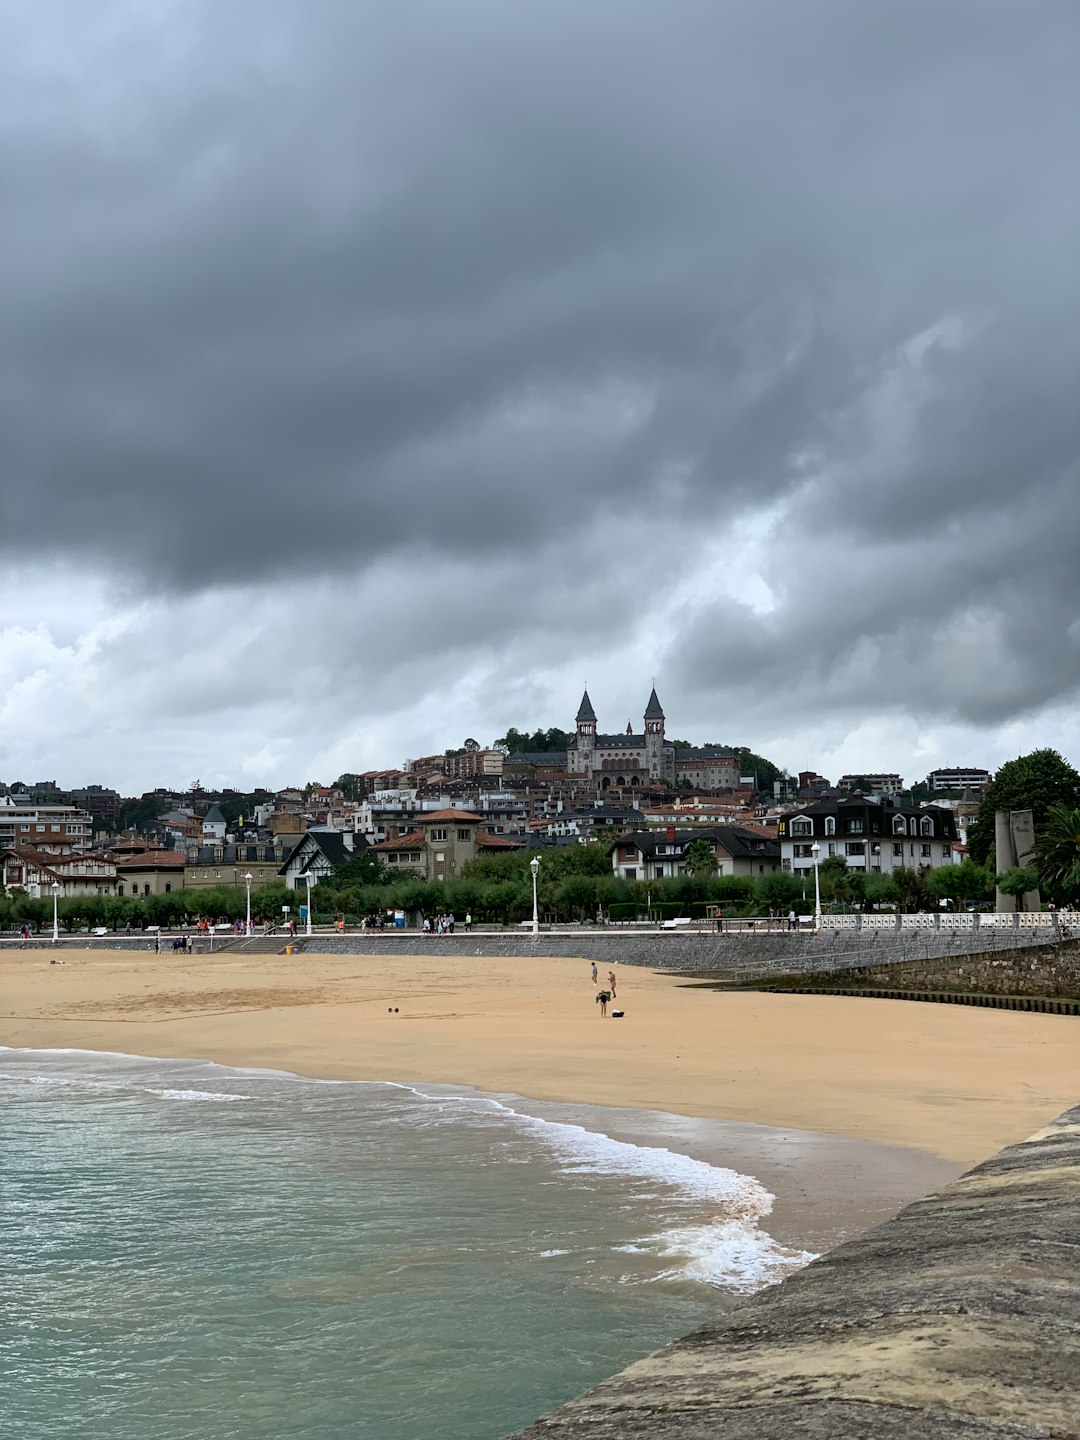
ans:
(190, 1252)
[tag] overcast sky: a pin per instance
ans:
(374, 375)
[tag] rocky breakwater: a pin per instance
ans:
(960, 1317)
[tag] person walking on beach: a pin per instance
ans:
(602, 998)
(611, 982)
(594, 972)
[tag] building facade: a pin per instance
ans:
(661, 854)
(624, 762)
(442, 844)
(45, 827)
(958, 779)
(877, 782)
(874, 834)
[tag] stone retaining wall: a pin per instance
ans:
(957, 1320)
(702, 952)
(1044, 970)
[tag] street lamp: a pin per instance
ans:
(247, 923)
(55, 896)
(534, 866)
(815, 851)
(309, 880)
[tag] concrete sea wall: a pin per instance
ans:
(742, 955)
(959, 1319)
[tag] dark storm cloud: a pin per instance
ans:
(349, 283)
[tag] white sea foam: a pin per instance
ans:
(731, 1251)
(196, 1095)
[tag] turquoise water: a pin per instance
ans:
(193, 1251)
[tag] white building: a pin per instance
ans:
(873, 834)
(958, 779)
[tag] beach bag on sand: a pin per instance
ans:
(617, 1014)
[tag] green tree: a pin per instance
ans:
(911, 888)
(881, 890)
(700, 859)
(1035, 782)
(1057, 851)
(1018, 880)
(781, 889)
(963, 882)
(362, 869)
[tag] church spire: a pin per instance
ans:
(654, 710)
(585, 710)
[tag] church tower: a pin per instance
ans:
(586, 736)
(654, 737)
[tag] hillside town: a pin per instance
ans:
(645, 797)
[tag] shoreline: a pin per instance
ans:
(825, 1188)
(845, 1110)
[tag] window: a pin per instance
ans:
(832, 848)
(631, 872)
(40, 827)
(855, 847)
(802, 827)
(946, 851)
(898, 850)
(899, 825)
(464, 834)
(120, 890)
(830, 824)
(875, 848)
(168, 887)
(854, 827)
(438, 834)
(927, 826)
(804, 852)
(926, 851)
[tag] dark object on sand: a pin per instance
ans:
(617, 1014)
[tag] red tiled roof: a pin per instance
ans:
(414, 840)
(498, 842)
(442, 816)
(150, 860)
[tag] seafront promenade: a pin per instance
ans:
(958, 1318)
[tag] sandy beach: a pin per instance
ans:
(845, 1109)
(956, 1083)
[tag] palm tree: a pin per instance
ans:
(1057, 851)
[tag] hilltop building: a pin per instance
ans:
(624, 762)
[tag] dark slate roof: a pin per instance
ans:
(230, 854)
(332, 845)
(654, 710)
(620, 742)
(585, 710)
(740, 844)
(705, 752)
(555, 758)
(214, 816)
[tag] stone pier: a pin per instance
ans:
(958, 1318)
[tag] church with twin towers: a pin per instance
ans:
(625, 761)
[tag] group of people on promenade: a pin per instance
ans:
(605, 996)
(444, 924)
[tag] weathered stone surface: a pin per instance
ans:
(958, 1318)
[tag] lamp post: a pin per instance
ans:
(534, 866)
(55, 923)
(815, 851)
(309, 880)
(247, 923)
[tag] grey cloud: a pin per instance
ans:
(360, 291)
